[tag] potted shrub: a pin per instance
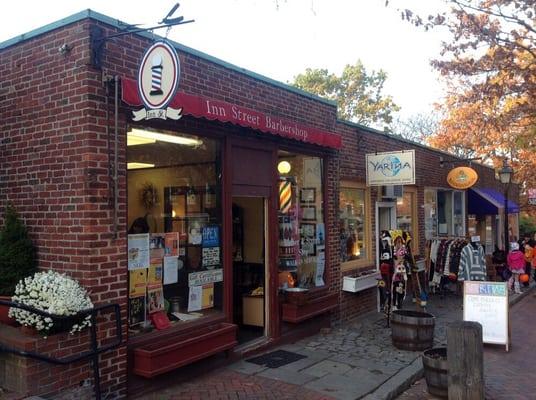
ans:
(17, 257)
(54, 293)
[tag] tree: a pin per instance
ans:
(490, 64)
(418, 128)
(17, 253)
(358, 93)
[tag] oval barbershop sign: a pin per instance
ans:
(462, 177)
(158, 81)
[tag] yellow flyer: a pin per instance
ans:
(137, 282)
(154, 277)
(207, 300)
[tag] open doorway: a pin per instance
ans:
(385, 221)
(249, 267)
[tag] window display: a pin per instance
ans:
(174, 215)
(444, 213)
(352, 219)
(301, 221)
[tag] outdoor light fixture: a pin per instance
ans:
(141, 136)
(506, 172)
(283, 167)
(139, 165)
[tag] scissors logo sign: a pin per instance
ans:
(158, 81)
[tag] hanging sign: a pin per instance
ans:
(532, 196)
(158, 80)
(487, 303)
(391, 168)
(462, 177)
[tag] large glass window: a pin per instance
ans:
(302, 234)
(353, 206)
(174, 219)
(444, 213)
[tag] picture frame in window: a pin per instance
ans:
(307, 246)
(308, 230)
(308, 195)
(308, 213)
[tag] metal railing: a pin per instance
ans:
(94, 351)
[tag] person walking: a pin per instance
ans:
(516, 263)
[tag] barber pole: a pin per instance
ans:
(285, 196)
(156, 87)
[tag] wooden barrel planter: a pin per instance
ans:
(412, 330)
(434, 362)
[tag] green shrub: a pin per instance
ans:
(17, 253)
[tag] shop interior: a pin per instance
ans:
(249, 267)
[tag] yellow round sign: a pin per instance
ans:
(462, 177)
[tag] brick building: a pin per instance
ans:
(198, 210)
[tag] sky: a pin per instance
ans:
(280, 38)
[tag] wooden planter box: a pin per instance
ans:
(163, 356)
(300, 311)
(360, 283)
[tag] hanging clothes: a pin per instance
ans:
(472, 263)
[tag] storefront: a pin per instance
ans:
(221, 209)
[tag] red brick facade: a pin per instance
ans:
(56, 165)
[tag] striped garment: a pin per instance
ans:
(472, 264)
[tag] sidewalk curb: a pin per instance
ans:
(407, 376)
(399, 382)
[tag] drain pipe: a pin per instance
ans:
(115, 177)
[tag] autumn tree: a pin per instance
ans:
(490, 66)
(357, 92)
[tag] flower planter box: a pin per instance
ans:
(360, 283)
(163, 356)
(301, 311)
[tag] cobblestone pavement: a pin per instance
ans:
(508, 375)
(353, 361)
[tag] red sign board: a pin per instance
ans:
(226, 112)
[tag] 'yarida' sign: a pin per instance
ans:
(462, 178)
(391, 168)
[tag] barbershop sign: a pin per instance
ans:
(391, 168)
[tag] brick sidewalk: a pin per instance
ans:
(225, 384)
(508, 376)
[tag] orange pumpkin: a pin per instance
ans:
(523, 278)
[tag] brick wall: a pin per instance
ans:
(55, 171)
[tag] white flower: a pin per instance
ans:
(54, 293)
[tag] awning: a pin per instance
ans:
(226, 112)
(488, 202)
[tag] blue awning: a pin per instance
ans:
(488, 202)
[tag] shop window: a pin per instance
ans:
(444, 213)
(430, 213)
(354, 225)
(302, 233)
(406, 216)
(175, 227)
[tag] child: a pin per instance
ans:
(516, 263)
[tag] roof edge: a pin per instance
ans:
(116, 23)
(408, 141)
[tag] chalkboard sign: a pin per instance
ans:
(487, 303)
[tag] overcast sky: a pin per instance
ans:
(279, 39)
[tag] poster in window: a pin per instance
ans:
(155, 273)
(210, 236)
(312, 172)
(308, 230)
(307, 247)
(137, 282)
(136, 310)
(195, 298)
(308, 213)
(207, 300)
(138, 251)
(308, 195)
(211, 256)
(155, 300)
(320, 267)
(172, 244)
(171, 268)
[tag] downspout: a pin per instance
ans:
(115, 179)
